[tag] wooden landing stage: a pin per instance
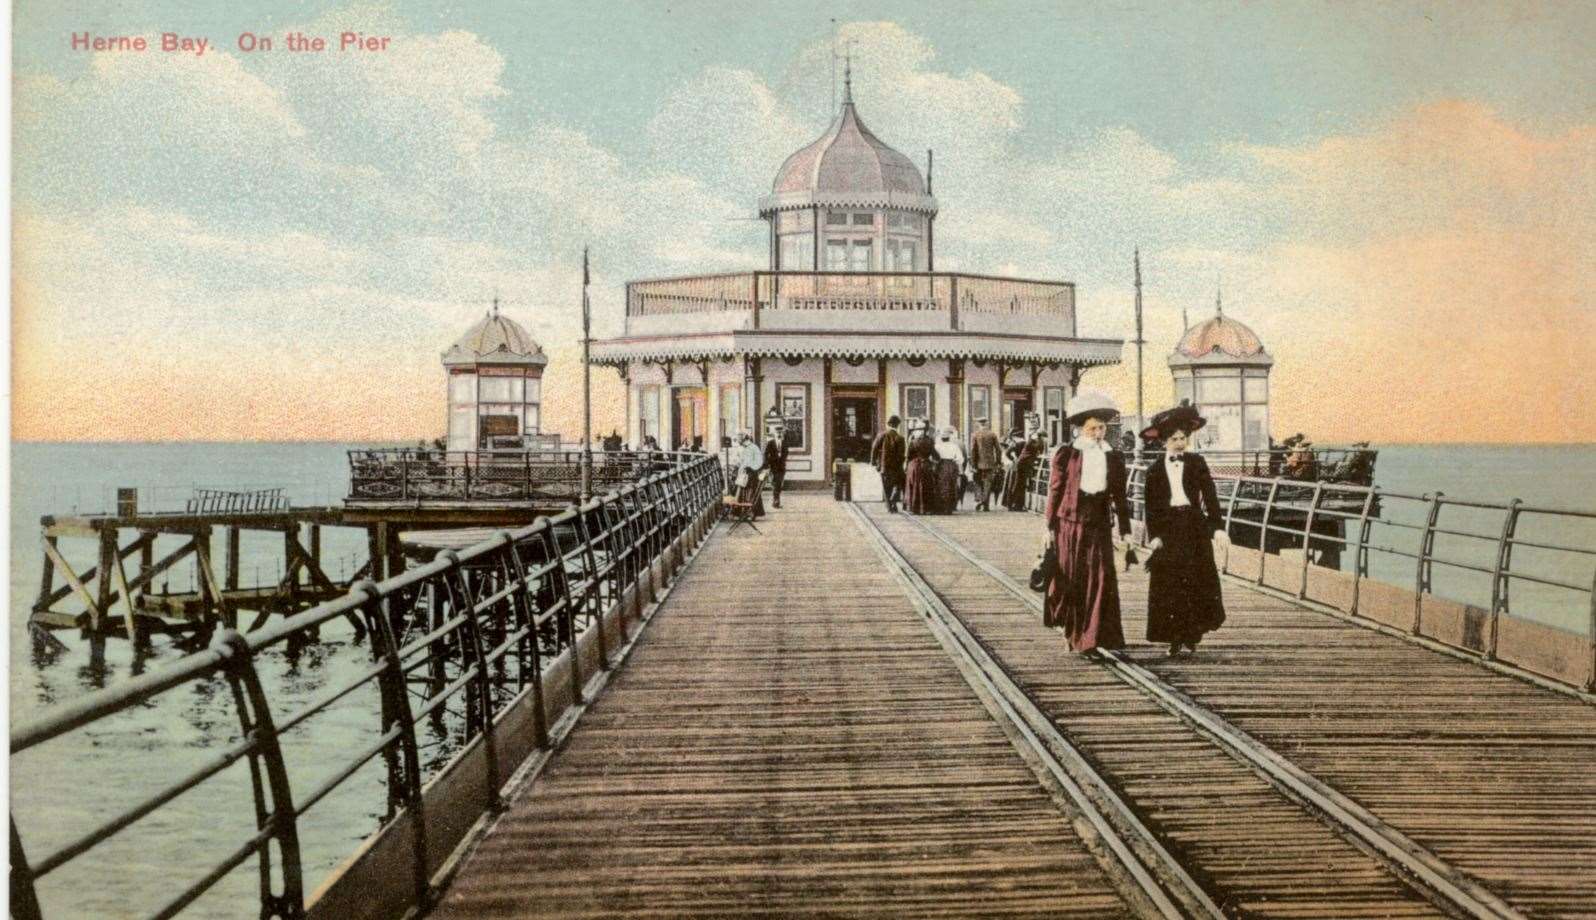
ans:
(860, 713)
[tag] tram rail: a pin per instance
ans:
(1444, 883)
(1154, 870)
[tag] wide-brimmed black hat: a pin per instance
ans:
(1169, 421)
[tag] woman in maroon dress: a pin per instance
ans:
(1183, 515)
(1085, 500)
(919, 486)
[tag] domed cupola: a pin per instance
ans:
(495, 385)
(1221, 368)
(848, 166)
(848, 202)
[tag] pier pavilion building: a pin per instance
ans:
(495, 374)
(850, 324)
(1220, 366)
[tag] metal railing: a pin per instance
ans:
(952, 293)
(224, 501)
(493, 626)
(1420, 531)
(402, 474)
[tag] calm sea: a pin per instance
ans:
(67, 786)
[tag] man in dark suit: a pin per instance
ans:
(887, 455)
(776, 461)
(986, 455)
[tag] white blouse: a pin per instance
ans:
(1177, 481)
(1094, 465)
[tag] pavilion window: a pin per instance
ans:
(864, 219)
(980, 404)
(501, 389)
(859, 255)
(836, 255)
(1212, 390)
(532, 420)
(1256, 389)
(731, 413)
(794, 407)
(903, 221)
(648, 411)
(836, 218)
(534, 390)
(1052, 403)
(917, 402)
(797, 251)
(1183, 390)
(460, 425)
(462, 388)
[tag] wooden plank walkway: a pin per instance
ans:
(786, 739)
(1492, 774)
(1261, 853)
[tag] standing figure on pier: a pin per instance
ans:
(986, 458)
(750, 460)
(1027, 453)
(887, 455)
(776, 461)
(1183, 515)
(918, 483)
(1085, 501)
(950, 470)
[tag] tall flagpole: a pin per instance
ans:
(587, 388)
(1141, 418)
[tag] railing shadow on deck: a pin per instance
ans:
(1491, 541)
(515, 626)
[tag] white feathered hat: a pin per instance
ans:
(1090, 403)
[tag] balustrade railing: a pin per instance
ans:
(1375, 534)
(951, 293)
(503, 635)
(404, 474)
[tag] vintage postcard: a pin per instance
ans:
(895, 459)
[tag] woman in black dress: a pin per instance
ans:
(1183, 514)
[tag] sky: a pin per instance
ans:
(1398, 197)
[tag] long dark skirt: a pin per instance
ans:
(1183, 595)
(1083, 596)
(1019, 480)
(947, 486)
(920, 487)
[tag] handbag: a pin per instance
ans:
(742, 479)
(1045, 569)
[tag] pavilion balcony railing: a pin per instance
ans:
(1458, 572)
(945, 292)
(416, 474)
(479, 658)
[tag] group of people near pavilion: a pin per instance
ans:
(931, 471)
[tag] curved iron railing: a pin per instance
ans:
(491, 625)
(1257, 505)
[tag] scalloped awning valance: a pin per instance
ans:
(754, 343)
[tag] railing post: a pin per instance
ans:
(1360, 556)
(255, 720)
(528, 659)
(1307, 536)
(1421, 576)
(473, 652)
(567, 623)
(24, 900)
(1263, 529)
(1499, 582)
(591, 602)
(404, 775)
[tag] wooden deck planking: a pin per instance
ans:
(787, 739)
(1491, 773)
(1263, 854)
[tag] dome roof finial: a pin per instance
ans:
(847, 75)
(1219, 294)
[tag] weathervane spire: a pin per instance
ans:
(847, 75)
(1219, 298)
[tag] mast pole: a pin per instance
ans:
(1140, 416)
(587, 388)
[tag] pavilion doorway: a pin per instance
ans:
(690, 418)
(1016, 403)
(854, 424)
